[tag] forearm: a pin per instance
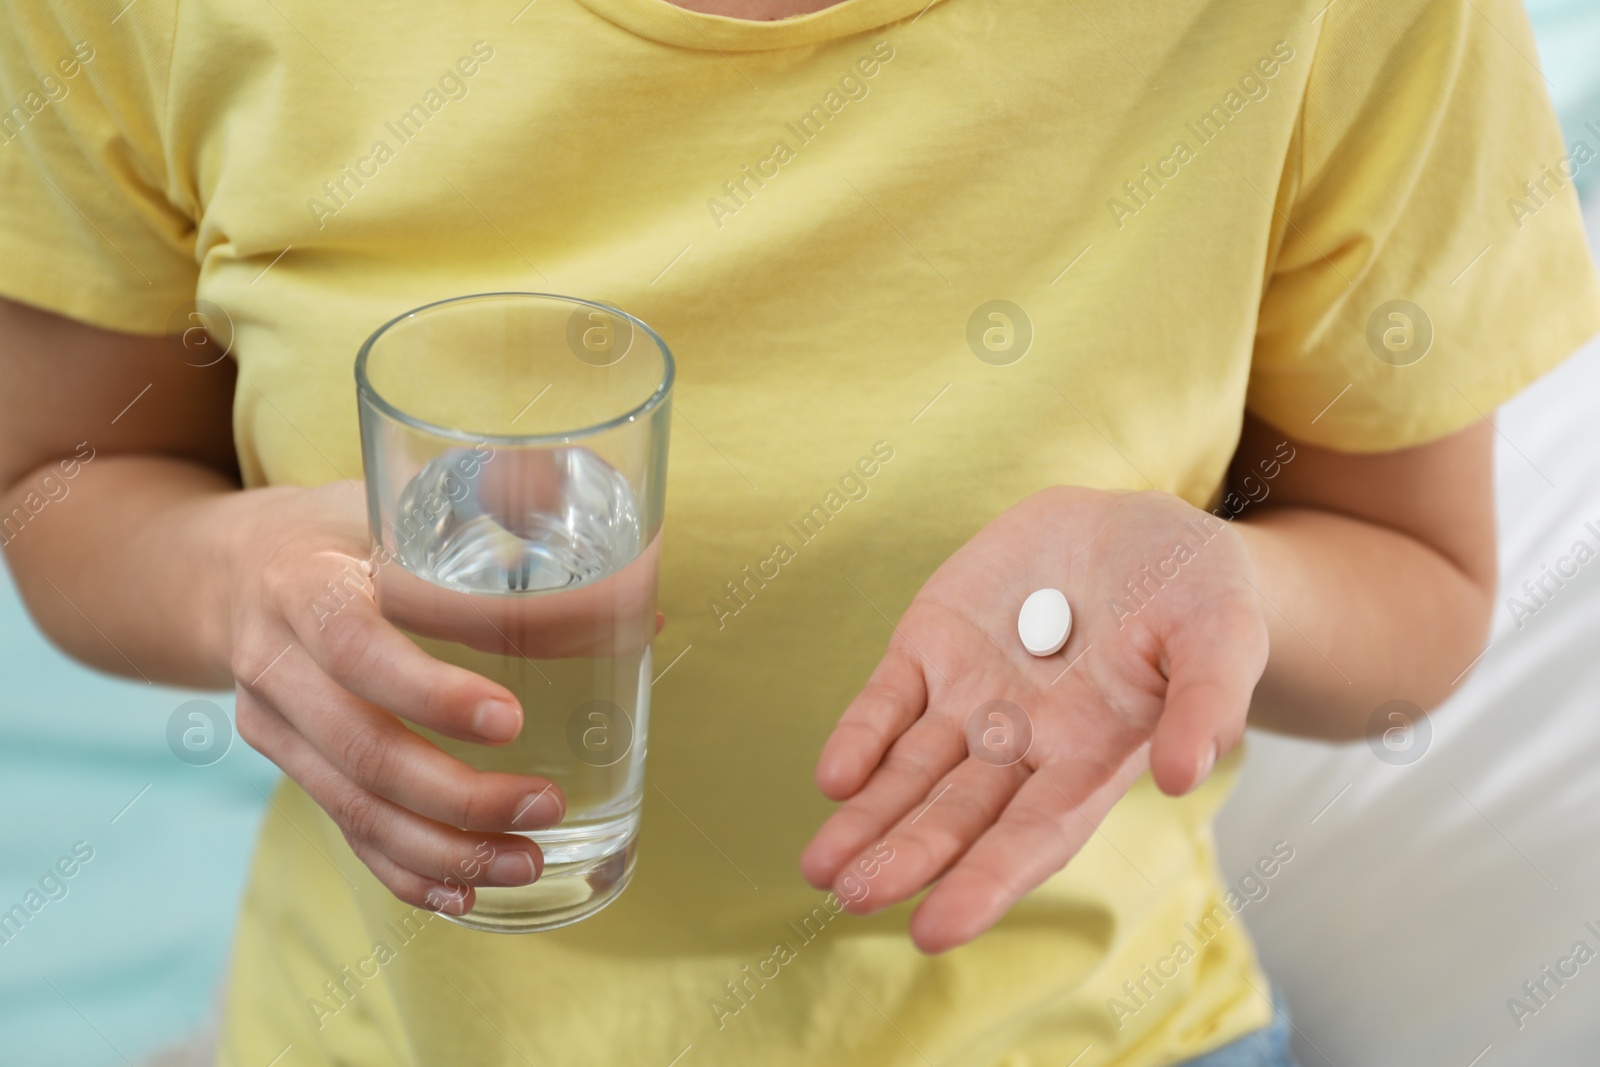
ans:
(1358, 615)
(129, 570)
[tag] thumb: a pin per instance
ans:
(1213, 664)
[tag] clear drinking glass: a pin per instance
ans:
(516, 450)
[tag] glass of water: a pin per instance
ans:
(516, 450)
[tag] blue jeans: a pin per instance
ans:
(1264, 1048)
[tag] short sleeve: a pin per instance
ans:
(1432, 259)
(88, 224)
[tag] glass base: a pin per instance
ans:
(564, 894)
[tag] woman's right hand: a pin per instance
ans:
(321, 693)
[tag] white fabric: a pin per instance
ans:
(1422, 899)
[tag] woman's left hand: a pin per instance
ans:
(990, 799)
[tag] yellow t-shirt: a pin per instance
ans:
(1186, 209)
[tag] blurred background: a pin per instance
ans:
(1431, 877)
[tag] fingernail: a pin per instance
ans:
(537, 810)
(512, 868)
(496, 720)
(1208, 759)
(450, 901)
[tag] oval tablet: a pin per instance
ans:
(1044, 622)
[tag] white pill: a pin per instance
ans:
(1044, 622)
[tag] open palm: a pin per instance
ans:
(967, 760)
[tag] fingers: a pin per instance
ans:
(931, 837)
(906, 778)
(1043, 827)
(892, 700)
(422, 862)
(379, 755)
(451, 899)
(369, 657)
(1212, 672)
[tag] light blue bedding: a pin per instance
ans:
(122, 957)
(1569, 49)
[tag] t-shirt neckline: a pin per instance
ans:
(661, 21)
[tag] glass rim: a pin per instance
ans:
(368, 392)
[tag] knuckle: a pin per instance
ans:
(442, 702)
(367, 757)
(247, 660)
(239, 661)
(1039, 827)
(474, 803)
(1033, 821)
(348, 643)
(471, 807)
(923, 848)
(463, 868)
(905, 765)
(248, 720)
(362, 850)
(280, 578)
(998, 887)
(961, 808)
(901, 654)
(880, 705)
(360, 815)
(860, 740)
